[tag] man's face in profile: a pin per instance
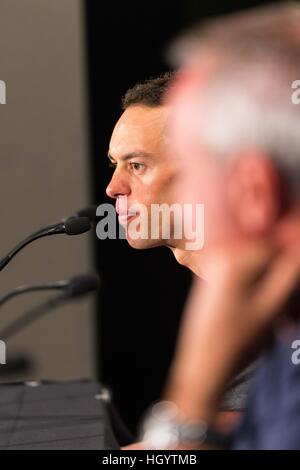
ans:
(144, 171)
(239, 188)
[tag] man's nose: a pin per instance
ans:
(117, 186)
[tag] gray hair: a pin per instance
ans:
(248, 102)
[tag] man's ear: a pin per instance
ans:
(255, 193)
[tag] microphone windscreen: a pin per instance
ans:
(77, 225)
(89, 212)
(83, 284)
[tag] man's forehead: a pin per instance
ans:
(138, 130)
(141, 116)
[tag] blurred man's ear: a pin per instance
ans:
(255, 196)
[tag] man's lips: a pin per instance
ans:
(125, 214)
(125, 217)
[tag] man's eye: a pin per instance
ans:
(137, 166)
(112, 165)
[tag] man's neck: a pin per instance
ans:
(191, 259)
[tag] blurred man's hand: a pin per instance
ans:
(229, 319)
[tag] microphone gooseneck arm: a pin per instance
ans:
(72, 226)
(26, 288)
(77, 287)
(31, 315)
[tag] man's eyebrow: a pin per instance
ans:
(110, 157)
(130, 155)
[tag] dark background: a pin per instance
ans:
(143, 292)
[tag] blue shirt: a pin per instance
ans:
(272, 418)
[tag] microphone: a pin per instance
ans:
(89, 212)
(77, 287)
(71, 226)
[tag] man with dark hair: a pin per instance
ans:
(145, 173)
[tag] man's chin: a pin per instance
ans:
(144, 244)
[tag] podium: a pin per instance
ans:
(56, 415)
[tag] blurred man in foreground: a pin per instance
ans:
(237, 130)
